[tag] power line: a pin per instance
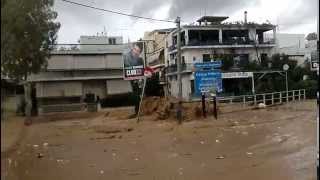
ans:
(117, 12)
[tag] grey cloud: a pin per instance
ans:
(302, 15)
(190, 9)
(80, 14)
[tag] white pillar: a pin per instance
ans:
(252, 34)
(220, 36)
(275, 35)
(186, 36)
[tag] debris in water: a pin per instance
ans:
(261, 105)
(101, 172)
(201, 142)
(217, 141)
(173, 155)
(92, 165)
(45, 144)
(249, 153)
(220, 157)
(244, 133)
(35, 145)
(40, 155)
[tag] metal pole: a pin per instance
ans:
(203, 99)
(142, 94)
(145, 53)
(287, 86)
(215, 107)
(179, 109)
(253, 89)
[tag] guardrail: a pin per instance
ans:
(266, 98)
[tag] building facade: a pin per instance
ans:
(73, 74)
(210, 39)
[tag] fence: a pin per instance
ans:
(266, 98)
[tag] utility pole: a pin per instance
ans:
(179, 109)
(145, 53)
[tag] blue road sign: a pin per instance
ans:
(206, 65)
(207, 80)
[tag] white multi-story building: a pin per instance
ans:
(210, 38)
(73, 73)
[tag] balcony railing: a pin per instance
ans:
(184, 67)
(238, 41)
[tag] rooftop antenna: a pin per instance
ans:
(104, 30)
(245, 17)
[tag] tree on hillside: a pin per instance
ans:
(312, 36)
(28, 32)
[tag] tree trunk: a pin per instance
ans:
(27, 96)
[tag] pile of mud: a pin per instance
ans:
(162, 108)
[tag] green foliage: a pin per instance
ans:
(311, 87)
(253, 66)
(278, 60)
(28, 31)
(274, 82)
(227, 61)
(312, 36)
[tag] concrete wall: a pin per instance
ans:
(97, 87)
(186, 86)
(58, 89)
(67, 62)
(76, 75)
(118, 87)
(98, 40)
(102, 88)
(290, 40)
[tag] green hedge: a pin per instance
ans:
(311, 87)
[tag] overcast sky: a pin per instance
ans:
(299, 16)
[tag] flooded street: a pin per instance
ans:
(273, 143)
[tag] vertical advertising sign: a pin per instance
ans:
(133, 65)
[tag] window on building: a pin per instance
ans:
(112, 40)
(206, 57)
(192, 86)
(183, 60)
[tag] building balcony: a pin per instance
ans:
(185, 67)
(234, 43)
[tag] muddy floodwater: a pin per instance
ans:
(275, 143)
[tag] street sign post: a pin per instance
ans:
(206, 80)
(207, 77)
